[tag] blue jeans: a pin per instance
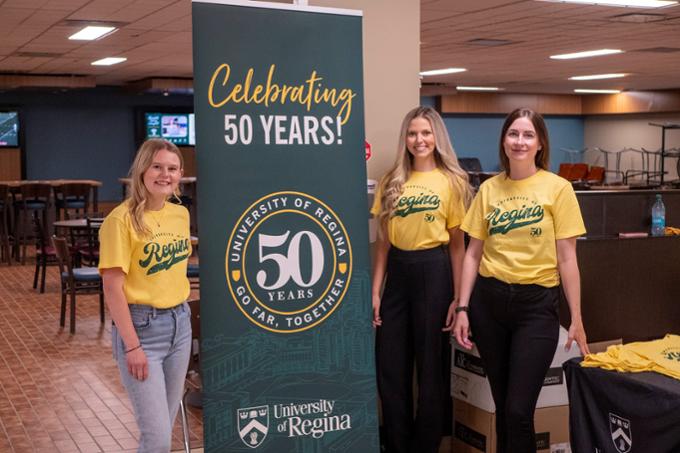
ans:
(165, 336)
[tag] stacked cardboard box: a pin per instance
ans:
(475, 429)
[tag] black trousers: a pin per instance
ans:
(414, 304)
(516, 329)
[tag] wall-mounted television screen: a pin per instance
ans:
(9, 129)
(177, 128)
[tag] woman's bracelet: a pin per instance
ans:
(459, 309)
(132, 349)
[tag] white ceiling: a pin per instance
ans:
(155, 36)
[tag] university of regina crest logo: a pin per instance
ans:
(621, 433)
(288, 262)
(253, 425)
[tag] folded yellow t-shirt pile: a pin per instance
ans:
(672, 231)
(662, 356)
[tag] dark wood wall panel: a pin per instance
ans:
(630, 288)
(10, 164)
(564, 104)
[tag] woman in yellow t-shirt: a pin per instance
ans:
(144, 248)
(419, 205)
(523, 225)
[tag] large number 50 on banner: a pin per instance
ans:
(286, 341)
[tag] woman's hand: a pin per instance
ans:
(377, 321)
(137, 364)
(567, 265)
(450, 317)
(461, 330)
(578, 334)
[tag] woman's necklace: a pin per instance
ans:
(157, 219)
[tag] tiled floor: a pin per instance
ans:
(62, 392)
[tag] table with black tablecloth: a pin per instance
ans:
(614, 412)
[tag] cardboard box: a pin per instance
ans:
(469, 382)
(474, 429)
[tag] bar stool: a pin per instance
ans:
(34, 197)
(73, 196)
(45, 254)
(5, 214)
(675, 154)
(574, 155)
(617, 161)
(652, 161)
(635, 172)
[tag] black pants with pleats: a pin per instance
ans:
(413, 309)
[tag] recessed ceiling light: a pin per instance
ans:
(586, 54)
(583, 90)
(623, 3)
(597, 76)
(442, 71)
(91, 32)
(465, 88)
(108, 61)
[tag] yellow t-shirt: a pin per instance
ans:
(427, 208)
(662, 356)
(519, 221)
(155, 266)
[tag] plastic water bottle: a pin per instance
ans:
(658, 217)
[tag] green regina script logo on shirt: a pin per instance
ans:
(501, 222)
(161, 257)
(671, 354)
(418, 203)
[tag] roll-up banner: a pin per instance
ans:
(286, 342)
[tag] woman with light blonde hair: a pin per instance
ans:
(419, 205)
(144, 249)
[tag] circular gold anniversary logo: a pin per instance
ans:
(288, 262)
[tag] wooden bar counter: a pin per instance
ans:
(630, 287)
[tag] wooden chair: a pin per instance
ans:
(34, 197)
(45, 255)
(192, 383)
(79, 280)
(72, 196)
(5, 214)
(193, 275)
(86, 241)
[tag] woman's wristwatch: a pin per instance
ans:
(465, 309)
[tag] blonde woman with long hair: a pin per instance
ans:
(419, 205)
(145, 245)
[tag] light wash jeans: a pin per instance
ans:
(165, 336)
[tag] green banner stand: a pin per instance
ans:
(287, 349)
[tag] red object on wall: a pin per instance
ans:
(368, 149)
